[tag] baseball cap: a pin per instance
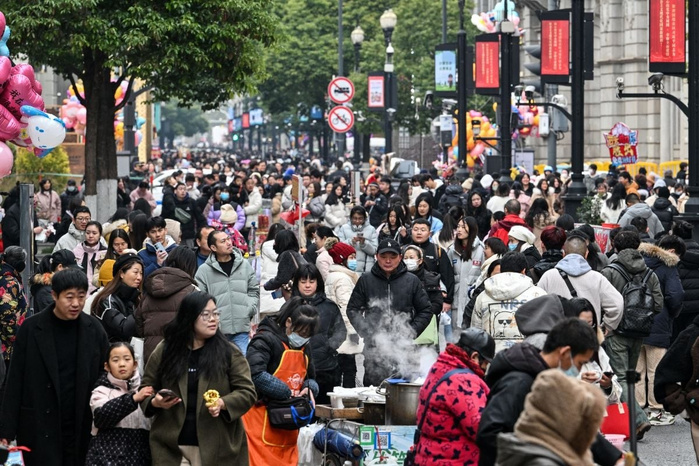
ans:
(388, 245)
(477, 339)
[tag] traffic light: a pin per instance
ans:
(534, 67)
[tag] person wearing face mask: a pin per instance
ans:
(361, 236)
(66, 196)
(308, 284)
(569, 345)
(339, 284)
(412, 257)
(14, 305)
(281, 366)
(521, 239)
(451, 401)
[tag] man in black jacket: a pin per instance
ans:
(189, 215)
(388, 308)
(569, 345)
(435, 259)
(375, 204)
(57, 358)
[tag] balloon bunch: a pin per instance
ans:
(74, 114)
(22, 120)
(475, 146)
(487, 22)
(528, 119)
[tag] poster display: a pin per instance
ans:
(667, 44)
(445, 73)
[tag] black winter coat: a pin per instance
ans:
(376, 300)
(376, 212)
(266, 349)
(430, 281)
(41, 292)
(549, 259)
(510, 378)
(30, 409)
(453, 196)
(438, 262)
(688, 269)
(677, 366)
(665, 211)
(533, 257)
(117, 312)
(331, 334)
(664, 264)
(189, 229)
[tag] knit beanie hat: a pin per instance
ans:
(340, 252)
(522, 234)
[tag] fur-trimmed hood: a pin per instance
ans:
(42, 279)
(666, 257)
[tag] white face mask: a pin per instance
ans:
(411, 264)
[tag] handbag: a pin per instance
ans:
(291, 414)
(616, 421)
(182, 215)
(410, 455)
(429, 336)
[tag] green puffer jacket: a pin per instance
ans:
(237, 296)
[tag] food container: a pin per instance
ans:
(374, 413)
(401, 403)
(343, 401)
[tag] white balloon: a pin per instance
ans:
(46, 132)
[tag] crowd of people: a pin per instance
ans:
(532, 317)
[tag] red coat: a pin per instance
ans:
(502, 228)
(449, 431)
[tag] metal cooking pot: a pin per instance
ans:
(374, 413)
(401, 404)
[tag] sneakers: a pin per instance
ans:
(660, 417)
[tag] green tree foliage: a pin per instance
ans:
(184, 121)
(195, 51)
(302, 67)
(28, 167)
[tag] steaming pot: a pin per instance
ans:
(401, 403)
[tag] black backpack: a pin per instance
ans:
(639, 306)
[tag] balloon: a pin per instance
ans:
(140, 121)
(81, 115)
(46, 131)
(4, 50)
(19, 91)
(69, 122)
(5, 69)
(139, 137)
(5, 160)
(23, 139)
(10, 127)
(3, 23)
(478, 150)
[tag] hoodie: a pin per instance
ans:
(589, 284)
(537, 317)
(642, 209)
(510, 378)
(664, 264)
(495, 308)
(70, 239)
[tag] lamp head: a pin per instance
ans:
(357, 35)
(388, 20)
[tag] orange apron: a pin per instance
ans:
(266, 444)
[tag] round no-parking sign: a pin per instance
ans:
(341, 119)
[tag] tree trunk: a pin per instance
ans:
(100, 147)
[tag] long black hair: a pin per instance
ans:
(302, 315)
(618, 197)
(476, 211)
(215, 355)
(539, 207)
(285, 240)
(450, 222)
(466, 250)
(426, 197)
(273, 230)
(306, 271)
(182, 258)
(118, 233)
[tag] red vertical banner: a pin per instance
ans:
(555, 46)
(488, 64)
(667, 32)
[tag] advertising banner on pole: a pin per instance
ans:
(376, 91)
(667, 36)
(445, 74)
(488, 64)
(555, 46)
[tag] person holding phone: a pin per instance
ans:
(156, 246)
(193, 358)
(361, 236)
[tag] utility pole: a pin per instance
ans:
(340, 137)
(691, 208)
(462, 83)
(551, 90)
(577, 190)
(444, 20)
(505, 92)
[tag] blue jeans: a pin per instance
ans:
(240, 340)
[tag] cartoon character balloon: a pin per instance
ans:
(45, 131)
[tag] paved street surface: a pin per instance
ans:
(667, 445)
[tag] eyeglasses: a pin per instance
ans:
(209, 316)
(82, 219)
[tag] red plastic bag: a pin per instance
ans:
(617, 420)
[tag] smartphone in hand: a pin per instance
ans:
(167, 394)
(159, 247)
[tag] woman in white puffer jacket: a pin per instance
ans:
(269, 305)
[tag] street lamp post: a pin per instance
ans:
(340, 137)
(357, 37)
(506, 30)
(388, 22)
(462, 172)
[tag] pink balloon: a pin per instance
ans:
(10, 127)
(5, 69)
(139, 137)
(5, 160)
(478, 149)
(18, 92)
(69, 122)
(2, 21)
(82, 115)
